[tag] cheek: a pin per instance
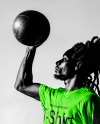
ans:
(65, 70)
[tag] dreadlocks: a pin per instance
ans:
(88, 54)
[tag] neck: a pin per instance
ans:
(70, 84)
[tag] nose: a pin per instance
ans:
(59, 62)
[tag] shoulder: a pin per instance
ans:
(90, 97)
(85, 95)
(47, 89)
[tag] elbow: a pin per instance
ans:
(18, 87)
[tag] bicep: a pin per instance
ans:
(32, 91)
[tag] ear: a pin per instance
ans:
(78, 65)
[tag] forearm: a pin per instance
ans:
(24, 76)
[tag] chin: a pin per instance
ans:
(60, 77)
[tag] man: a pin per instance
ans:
(77, 103)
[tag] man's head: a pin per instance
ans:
(81, 60)
(67, 67)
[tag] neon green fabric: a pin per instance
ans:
(73, 107)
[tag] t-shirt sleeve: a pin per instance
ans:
(44, 92)
(48, 95)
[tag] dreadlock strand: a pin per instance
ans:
(88, 53)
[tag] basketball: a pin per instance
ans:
(31, 28)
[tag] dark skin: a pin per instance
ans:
(24, 81)
(64, 70)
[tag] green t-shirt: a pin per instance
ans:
(73, 107)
